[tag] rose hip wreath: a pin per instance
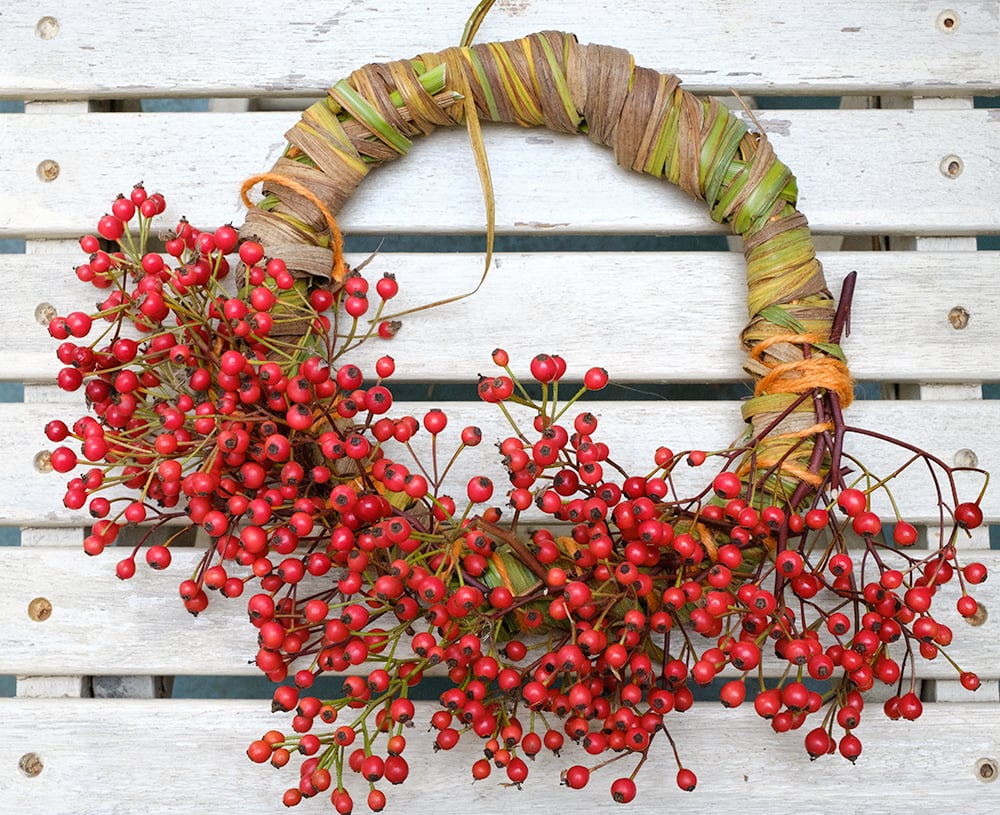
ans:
(229, 402)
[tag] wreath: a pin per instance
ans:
(581, 602)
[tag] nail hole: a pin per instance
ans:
(45, 313)
(947, 20)
(47, 170)
(951, 166)
(987, 770)
(43, 461)
(959, 318)
(40, 609)
(47, 28)
(979, 617)
(966, 458)
(30, 764)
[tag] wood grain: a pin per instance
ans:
(101, 625)
(167, 757)
(683, 311)
(847, 46)
(864, 172)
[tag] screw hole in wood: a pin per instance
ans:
(959, 317)
(987, 770)
(947, 20)
(40, 609)
(30, 764)
(951, 166)
(47, 170)
(43, 462)
(47, 28)
(45, 313)
(966, 458)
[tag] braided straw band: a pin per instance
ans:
(654, 127)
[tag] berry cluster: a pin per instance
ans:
(224, 402)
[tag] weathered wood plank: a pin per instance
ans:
(863, 171)
(31, 497)
(829, 47)
(101, 625)
(900, 329)
(128, 756)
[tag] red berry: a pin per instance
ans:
(435, 420)
(969, 680)
(817, 518)
(543, 368)
(974, 573)
(387, 287)
(480, 489)
(251, 252)
(623, 790)
(595, 379)
(850, 747)
(968, 515)
(686, 779)
(904, 534)
(110, 227)
(387, 329)
(727, 485)
(62, 459)
(356, 306)
(123, 208)
(158, 557)
(226, 238)
(866, 523)
(967, 606)
(852, 501)
(576, 777)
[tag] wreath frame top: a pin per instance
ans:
(653, 126)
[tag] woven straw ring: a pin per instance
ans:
(654, 127)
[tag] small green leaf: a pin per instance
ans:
(831, 349)
(778, 316)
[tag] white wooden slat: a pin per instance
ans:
(162, 756)
(863, 171)
(900, 326)
(943, 428)
(949, 691)
(768, 46)
(101, 625)
(29, 683)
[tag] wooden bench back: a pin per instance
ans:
(921, 172)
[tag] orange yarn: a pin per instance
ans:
(803, 375)
(783, 465)
(339, 267)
